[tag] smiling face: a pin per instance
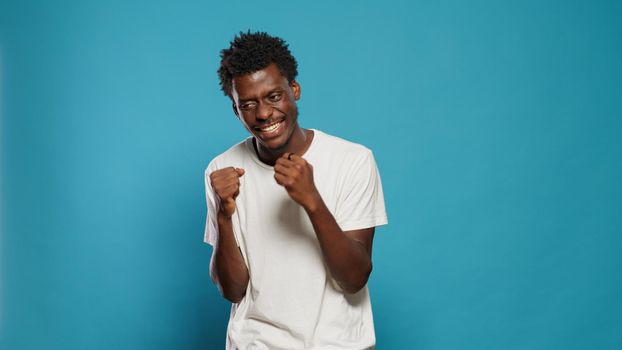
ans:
(265, 102)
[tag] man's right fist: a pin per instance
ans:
(226, 184)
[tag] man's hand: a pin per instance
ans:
(296, 175)
(226, 184)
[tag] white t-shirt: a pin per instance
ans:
(291, 301)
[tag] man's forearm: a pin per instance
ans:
(227, 266)
(347, 259)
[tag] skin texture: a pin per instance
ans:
(261, 99)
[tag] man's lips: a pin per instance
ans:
(269, 127)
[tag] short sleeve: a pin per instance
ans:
(211, 226)
(361, 199)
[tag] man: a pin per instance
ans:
(291, 214)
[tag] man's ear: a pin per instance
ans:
(296, 89)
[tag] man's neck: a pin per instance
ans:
(298, 144)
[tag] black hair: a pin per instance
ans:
(250, 52)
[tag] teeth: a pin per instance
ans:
(271, 127)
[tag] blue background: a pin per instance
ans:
(496, 127)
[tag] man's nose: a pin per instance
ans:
(264, 111)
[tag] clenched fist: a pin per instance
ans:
(226, 184)
(296, 175)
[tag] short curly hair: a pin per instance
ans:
(250, 52)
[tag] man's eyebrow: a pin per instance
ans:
(245, 99)
(277, 89)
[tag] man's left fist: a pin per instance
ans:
(296, 175)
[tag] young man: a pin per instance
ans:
(291, 214)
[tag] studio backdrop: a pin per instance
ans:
(495, 124)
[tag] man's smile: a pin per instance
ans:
(270, 130)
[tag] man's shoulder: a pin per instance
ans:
(340, 147)
(231, 156)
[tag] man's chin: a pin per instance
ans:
(274, 145)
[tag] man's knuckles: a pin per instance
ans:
(225, 172)
(225, 181)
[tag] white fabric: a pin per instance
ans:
(291, 301)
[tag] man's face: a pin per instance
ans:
(265, 102)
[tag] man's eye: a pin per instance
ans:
(247, 106)
(275, 97)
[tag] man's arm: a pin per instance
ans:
(347, 254)
(227, 267)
